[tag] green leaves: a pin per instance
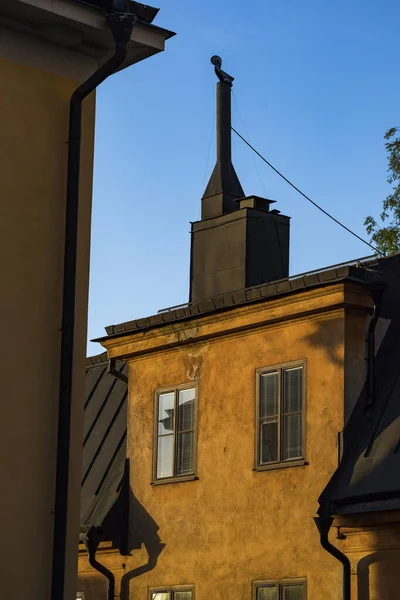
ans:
(387, 238)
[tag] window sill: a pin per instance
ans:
(179, 479)
(281, 465)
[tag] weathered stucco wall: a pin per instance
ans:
(34, 108)
(372, 543)
(234, 525)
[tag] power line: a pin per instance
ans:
(248, 137)
(305, 195)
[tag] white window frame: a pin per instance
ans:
(174, 478)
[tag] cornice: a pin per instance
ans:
(305, 306)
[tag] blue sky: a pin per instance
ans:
(316, 86)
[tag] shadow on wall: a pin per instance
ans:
(377, 576)
(143, 531)
(321, 339)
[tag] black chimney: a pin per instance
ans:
(224, 186)
(239, 241)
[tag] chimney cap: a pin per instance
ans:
(255, 202)
(222, 75)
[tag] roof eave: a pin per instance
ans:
(81, 28)
(223, 303)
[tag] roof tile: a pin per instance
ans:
(156, 319)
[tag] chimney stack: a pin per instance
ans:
(224, 186)
(239, 241)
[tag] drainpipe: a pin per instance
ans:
(91, 541)
(114, 371)
(121, 25)
(324, 525)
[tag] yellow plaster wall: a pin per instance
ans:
(234, 525)
(373, 547)
(34, 109)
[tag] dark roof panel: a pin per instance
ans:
(369, 473)
(104, 444)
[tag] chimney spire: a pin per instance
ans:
(224, 186)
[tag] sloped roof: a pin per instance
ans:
(368, 477)
(353, 270)
(104, 441)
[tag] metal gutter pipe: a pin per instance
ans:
(324, 524)
(112, 369)
(121, 25)
(91, 546)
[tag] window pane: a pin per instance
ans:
(165, 413)
(186, 404)
(269, 441)
(183, 595)
(269, 394)
(160, 596)
(293, 388)
(293, 592)
(267, 593)
(184, 463)
(292, 435)
(165, 456)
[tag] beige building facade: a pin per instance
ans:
(47, 49)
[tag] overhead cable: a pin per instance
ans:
(305, 195)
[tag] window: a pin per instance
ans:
(280, 415)
(174, 593)
(80, 596)
(285, 590)
(175, 433)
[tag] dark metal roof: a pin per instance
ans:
(351, 270)
(368, 477)
(144, 13)
(104, 442)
